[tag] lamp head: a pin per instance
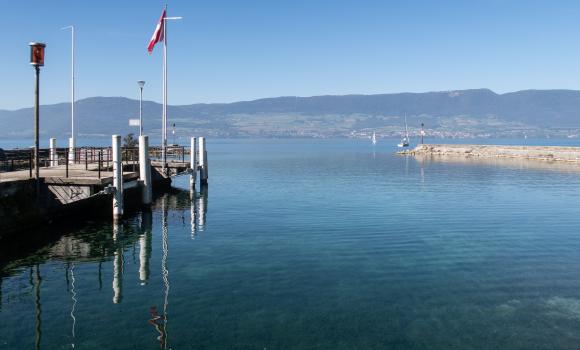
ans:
(37, 54)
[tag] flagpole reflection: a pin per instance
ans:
(74, 304)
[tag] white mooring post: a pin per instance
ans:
(117, 178)
(53, 155)
(193, 163)
(71, 152)
(202, 162)
(145, 169)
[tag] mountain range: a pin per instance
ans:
(461, 113)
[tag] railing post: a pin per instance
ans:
(100, 161)
(67, 159)
(30, 164)
(86, 159)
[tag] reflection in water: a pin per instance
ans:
(192, 213)
(198, 209)
(517, 163)
(35, 282)
(97, 245)
(117, 265)
(145, 245)
(74, 304)
(202, 207)
(160, 321)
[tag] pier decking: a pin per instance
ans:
(88, 175)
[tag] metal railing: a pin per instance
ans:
(102, 157)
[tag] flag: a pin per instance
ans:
(157, 34)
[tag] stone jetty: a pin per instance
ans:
(543, 153)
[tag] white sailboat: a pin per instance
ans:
(405, 140)
(374, 138)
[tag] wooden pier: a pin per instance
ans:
(65, 186)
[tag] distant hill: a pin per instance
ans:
(463, 113)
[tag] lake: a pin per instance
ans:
(326, 244)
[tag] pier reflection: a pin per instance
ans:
(99, 251)
(117, 265)
(516, 163)
(145, 247)
(198, 210)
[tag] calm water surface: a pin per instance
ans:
(316, 244)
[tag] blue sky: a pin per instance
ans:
(225, 51)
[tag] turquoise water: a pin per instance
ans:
(316, 244)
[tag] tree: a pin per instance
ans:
(130, 141)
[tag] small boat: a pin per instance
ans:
(405, 140)
(374, 138)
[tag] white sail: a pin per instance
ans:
(405, 140)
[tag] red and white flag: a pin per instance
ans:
(158, 33)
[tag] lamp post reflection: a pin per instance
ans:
(35, 282)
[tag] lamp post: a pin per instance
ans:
(72, 140)
(37, 60)
(141, 84)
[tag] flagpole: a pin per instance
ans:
(164, 121)
(72, 104)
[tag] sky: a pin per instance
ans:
(227, 51)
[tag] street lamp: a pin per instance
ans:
(37, 60)
(72, 140)
(141, 84)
